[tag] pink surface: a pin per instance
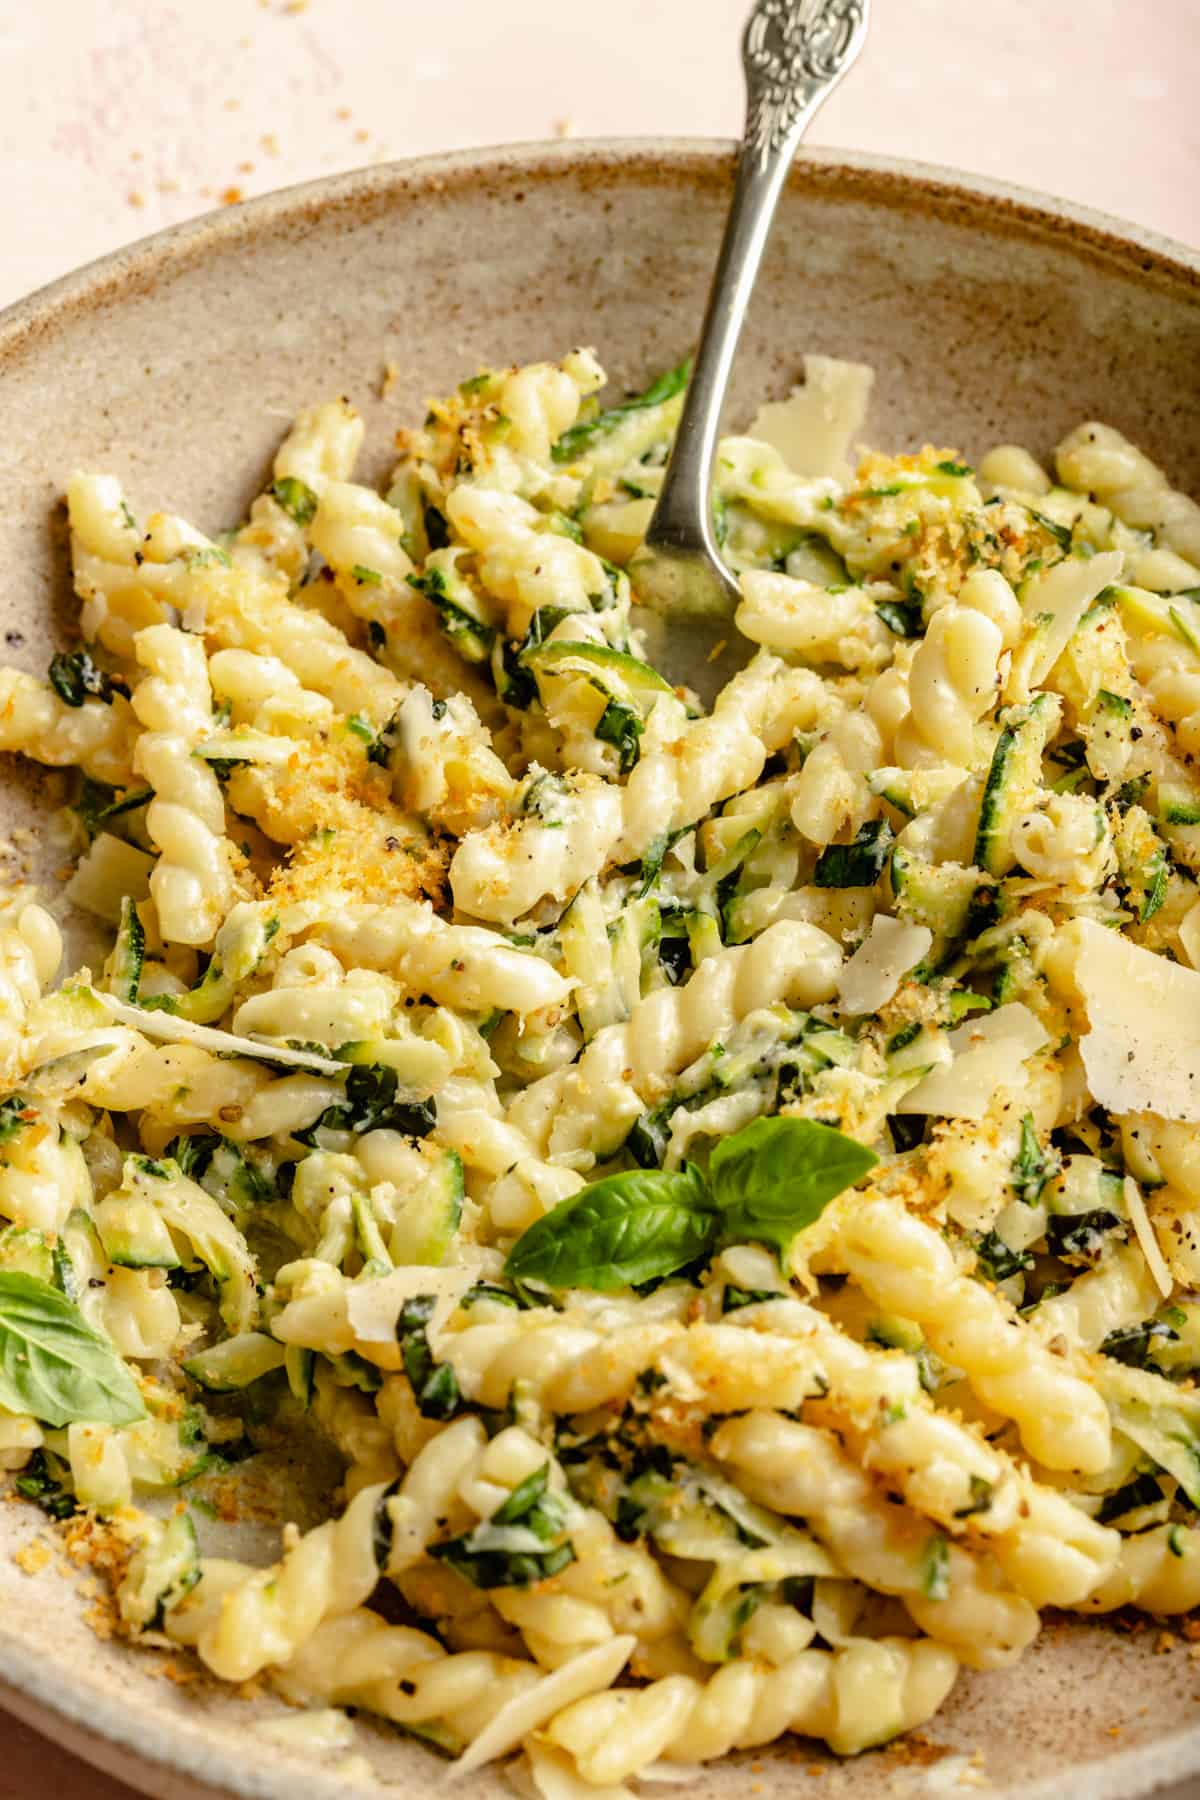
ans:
(118, 117)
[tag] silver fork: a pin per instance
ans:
(794, 52)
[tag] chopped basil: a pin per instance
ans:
(734, 1298)
(1032, 1166)
(1060, 533)
(488, 1557)
(621, 726)
(75, 678)
(437, 532)
(1143, 1490)
(372, 1103)
(935, 1568)
(15, 1113)
(36, 1482)
(859, 863)
(434, 1385)
(997, 1261)
(1132, 1344)
(904, 618)
(1079, 1237)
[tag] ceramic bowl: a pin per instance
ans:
(989, 315)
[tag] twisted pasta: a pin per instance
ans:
(1051, 1552)
(795, 1468)
(906, 1267)
(194, 882)
(1158, 1569)
(854, 1697)
(951, 684)
(578, 1105)
(97, 736)
(626, 1067)
(500, 874)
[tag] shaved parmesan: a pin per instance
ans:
(373, 1307)
(814, 427)
(1142, 1048)
(110, 869)
(890, 949)
(588, 1673)
(1146, 1238)
(170, 1030)
(1053, 602)
(989, 1055)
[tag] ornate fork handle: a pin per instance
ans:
(794, 52)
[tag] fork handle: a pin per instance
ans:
(794, 52)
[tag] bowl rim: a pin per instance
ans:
(108, 1732)
(1014, 204)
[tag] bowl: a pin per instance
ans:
(989, 315)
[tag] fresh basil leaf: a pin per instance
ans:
(53, 1365)
(619, 1232)
(774, 1178)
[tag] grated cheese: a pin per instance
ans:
(1140, 1220)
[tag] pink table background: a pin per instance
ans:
(118, 117)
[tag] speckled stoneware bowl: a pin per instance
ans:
(988, 315)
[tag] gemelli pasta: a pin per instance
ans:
(726, 1184)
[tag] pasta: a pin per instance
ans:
(705, 1175)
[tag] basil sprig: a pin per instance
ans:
(778, 1175)
(53, 1365)
(764, 1184)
